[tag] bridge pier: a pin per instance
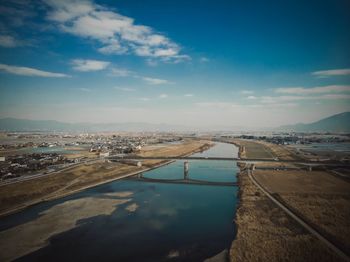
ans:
(139, 175)
(186, 168)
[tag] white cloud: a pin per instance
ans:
(89, 65)
(155, 81)
(125, 89)
(163, 96)
(333, 72)
(247, 92)
(114, 47)
(313, 90)
(27, 71)
(115, 33)
(8, 41)
(188, 95)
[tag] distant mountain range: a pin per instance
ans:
(336, 123)
(21, 125)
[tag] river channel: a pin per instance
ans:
(132, 220)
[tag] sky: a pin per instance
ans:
(194, 63)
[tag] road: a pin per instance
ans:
(299, 220)
(245, 160)
(40, 175)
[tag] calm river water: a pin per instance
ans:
(130, 220)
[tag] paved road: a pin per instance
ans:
(300, 220)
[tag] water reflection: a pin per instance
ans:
(131, 220)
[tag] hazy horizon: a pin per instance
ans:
(217, 63)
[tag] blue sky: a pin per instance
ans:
(196, 63)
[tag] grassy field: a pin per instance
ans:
(18, 195)
(319, 197)
(266, 233)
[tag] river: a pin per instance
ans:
(132, 220)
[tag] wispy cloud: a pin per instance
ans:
(247, 92)
(84, 89)
(116, 34)
(8, 41)
(121, 72)
(155, 81)
(163, 96)
(204, 59)
(238, 107)
(27, 71)
(125, 89)
(313, 90)
(217, 104)
(83, 65)
(279, 99)
(144, 99)
(188, 95)
(251, 97)
(333, 72)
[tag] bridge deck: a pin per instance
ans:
(245, 160)
(188, 181)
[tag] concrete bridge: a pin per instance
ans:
(185, 180)
(328, 163)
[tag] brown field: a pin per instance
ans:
(254, 149)
(276, 165)
(16, 195)
(185, 148)
(266, 233)
(318, 197)
(19, 195)
(82, 153)
(262, 149)
(280, 151)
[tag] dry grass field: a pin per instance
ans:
(188, 147)
(18, 194)
(266, 233)
(280, 151)
(262, 149)
(255, 149)
(320, 198)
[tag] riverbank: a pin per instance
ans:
(266, 233)
(130, 220)
(16, 197)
